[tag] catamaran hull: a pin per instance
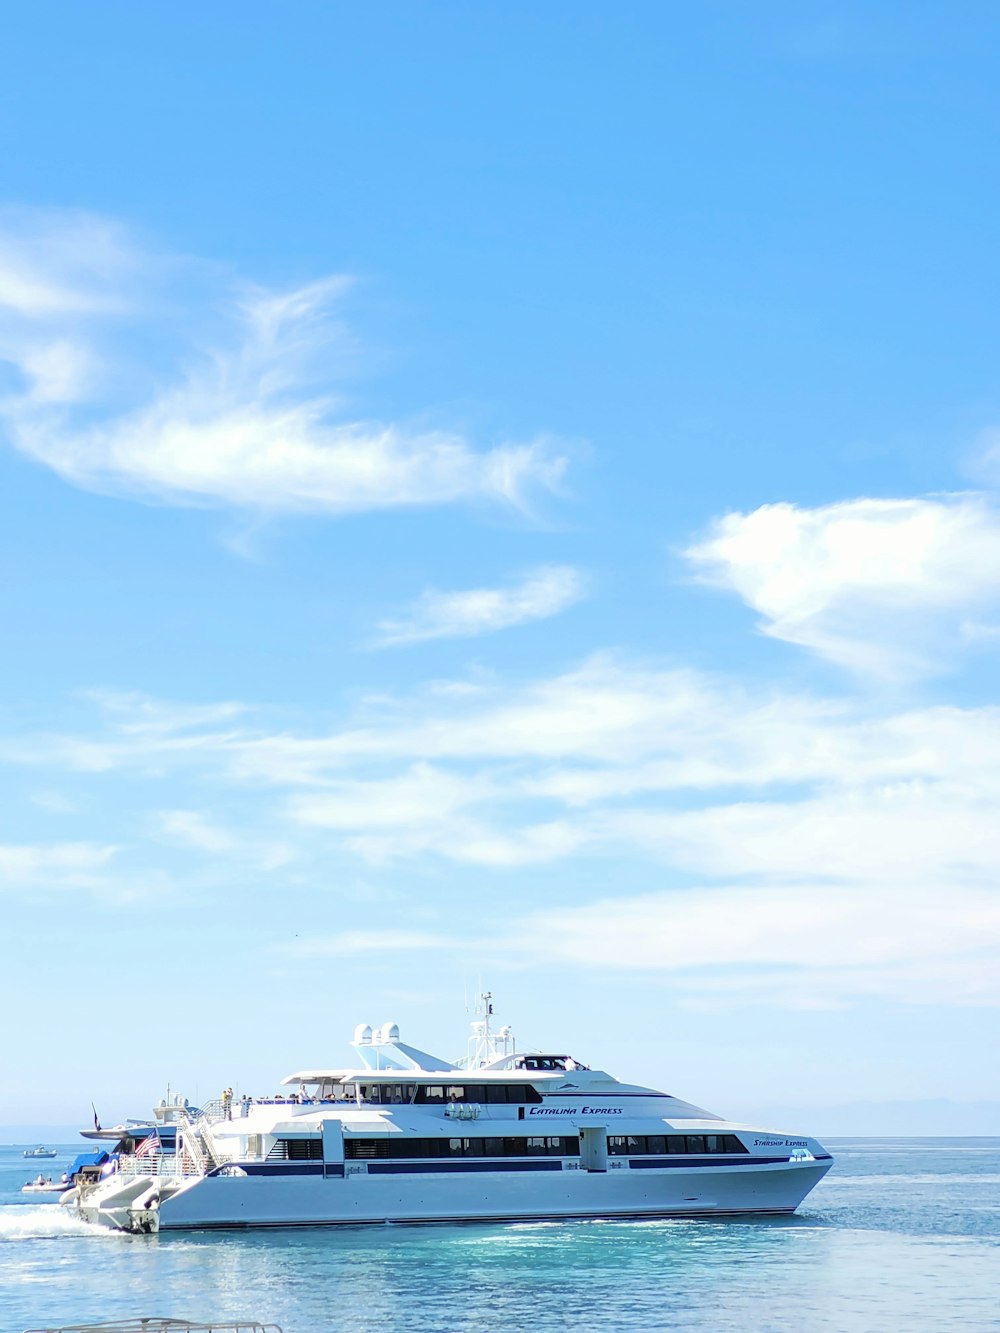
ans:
(317, 1200)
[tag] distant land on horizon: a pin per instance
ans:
(918, 1119)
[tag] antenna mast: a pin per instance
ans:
(485, 1046)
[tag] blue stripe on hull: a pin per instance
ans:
(715, 1160)
(270, 1169)
(443, 1167)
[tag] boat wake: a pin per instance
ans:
(38, 1221)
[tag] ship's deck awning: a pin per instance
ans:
(317, 1076)
(456, 1077)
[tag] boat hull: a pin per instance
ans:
(357, 1197)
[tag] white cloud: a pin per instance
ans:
(246, 416)
(983, 462)
(55, 802)
(59, 865)
(794, 946)
(429, 810)
(420, 796)
(368, 941)
(478, 842)
(906, 833)
(55, 264)
(878, 586)
(441, 615)
(140, 714)
(916, 945)
(803, 831)
(192, 829)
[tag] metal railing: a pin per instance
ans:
(157, 1164)
(214, 1111)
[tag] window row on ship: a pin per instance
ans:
(424, 1094)
(440, 1094)
(548, 1145)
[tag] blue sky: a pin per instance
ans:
(500, 492)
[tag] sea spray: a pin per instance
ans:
(39, 1221)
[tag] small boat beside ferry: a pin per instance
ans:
(46, 1185)
(403, 1136)
(40, 1151)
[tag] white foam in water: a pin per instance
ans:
(36, 1222)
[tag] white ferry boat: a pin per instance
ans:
(406, 1137)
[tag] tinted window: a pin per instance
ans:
(566, 1145)
(296, 1150)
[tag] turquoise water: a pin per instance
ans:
(904, 1234)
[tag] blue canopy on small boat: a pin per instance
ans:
(87, 1159)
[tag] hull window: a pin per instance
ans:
(296, 1150)
(658, 1145)
(564, 1145)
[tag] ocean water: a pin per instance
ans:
(902, 1235)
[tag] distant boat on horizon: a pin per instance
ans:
(40, 1151)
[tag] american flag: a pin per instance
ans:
(149, 1146)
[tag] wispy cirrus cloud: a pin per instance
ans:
(540, 593)
(54, 865)
(192, 828)
(59, 263)
(799, 945)
(351, 942)
(796, 946)
(816, 846)
(881, 587)
(247, 413)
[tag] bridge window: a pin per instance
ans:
(493, 1094)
